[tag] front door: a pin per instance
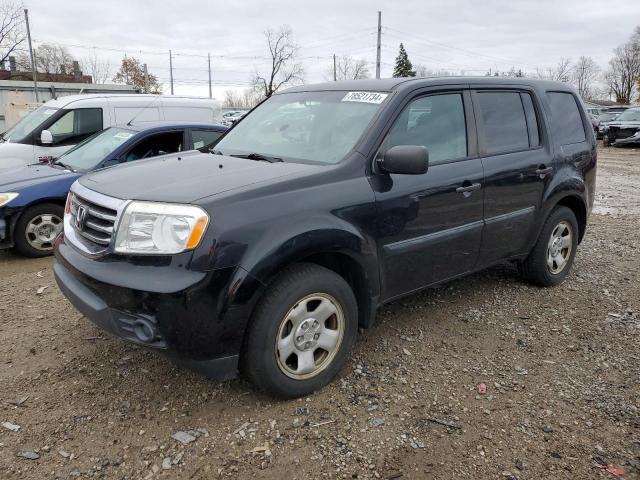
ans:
(429, 226)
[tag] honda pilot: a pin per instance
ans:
(265, 256)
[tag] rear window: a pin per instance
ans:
(566, 121)
(504, 122)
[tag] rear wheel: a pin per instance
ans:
(37, 228)
(552, 257)
(301, 333)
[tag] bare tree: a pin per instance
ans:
(50, 60)
(624, 69)
(349, 68)
(422, 71)
(284, 69)
(12, 33)
(560, 72)
(248, 98)
(584, 74)
(99, 68)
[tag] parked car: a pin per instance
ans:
(267, 257)
(603, 120)
(624, 130)
(60, 124)
(230, 119)
(32, 202)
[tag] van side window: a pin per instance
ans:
(503, 122)
(435, 121)
(532, 120)
(76, 125)
(566, 121)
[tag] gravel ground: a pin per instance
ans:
(561, 368)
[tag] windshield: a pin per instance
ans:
(607, 117)
(320, 126)
(28, 124)
(88, 154)
(631, 115)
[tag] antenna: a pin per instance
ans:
(143, 109)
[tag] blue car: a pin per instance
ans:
(32, 197)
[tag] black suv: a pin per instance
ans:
(322, 204)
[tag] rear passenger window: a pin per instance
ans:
(204, 139)
(566, 120)
(504, 122)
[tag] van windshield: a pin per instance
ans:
(88, 154)
(28, 124)
(318, 126)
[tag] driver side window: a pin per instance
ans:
(76, 125)
(436, 122)
(154, 145)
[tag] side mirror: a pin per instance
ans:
(46, 138)
(406, 160)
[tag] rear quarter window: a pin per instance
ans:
(566, 121)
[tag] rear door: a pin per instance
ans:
(517, 163)
(429, 226)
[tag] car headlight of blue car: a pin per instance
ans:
(5, 198)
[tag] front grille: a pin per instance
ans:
(95, 223)
(620, 133)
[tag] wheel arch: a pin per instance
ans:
(577, 205)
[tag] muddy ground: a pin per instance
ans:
(561, 368)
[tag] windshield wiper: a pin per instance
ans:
(259, 156)
(63, 165)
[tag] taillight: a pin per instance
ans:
(67, 206)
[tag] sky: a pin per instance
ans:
(456, 35)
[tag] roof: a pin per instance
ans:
(65, 100)
(167, 125)
(391, 84)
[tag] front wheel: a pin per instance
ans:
(552, 256)
(301, 333)
(37, 228)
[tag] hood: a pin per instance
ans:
(623, 124)
(12, 154)
(17, 178)
(188, 177)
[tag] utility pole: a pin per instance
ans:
(171, 70)
(146, 79)
(33, 60)
(126, 70)
(209, 60)
(335, 77)
(378, 51)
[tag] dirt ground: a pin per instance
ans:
(561, 368)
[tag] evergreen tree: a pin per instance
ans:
(403, 67)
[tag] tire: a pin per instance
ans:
(542, 266)
(605, 140)
(284, 316)
(37, 228)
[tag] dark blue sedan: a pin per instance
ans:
(32, 197)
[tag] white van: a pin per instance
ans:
(60, 124)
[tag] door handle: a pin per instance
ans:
(467, 189)
(542, 171)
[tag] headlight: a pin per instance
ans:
(5, 198)
(160, 228)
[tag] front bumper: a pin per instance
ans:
(200, 324)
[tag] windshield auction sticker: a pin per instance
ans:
(365, 97)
